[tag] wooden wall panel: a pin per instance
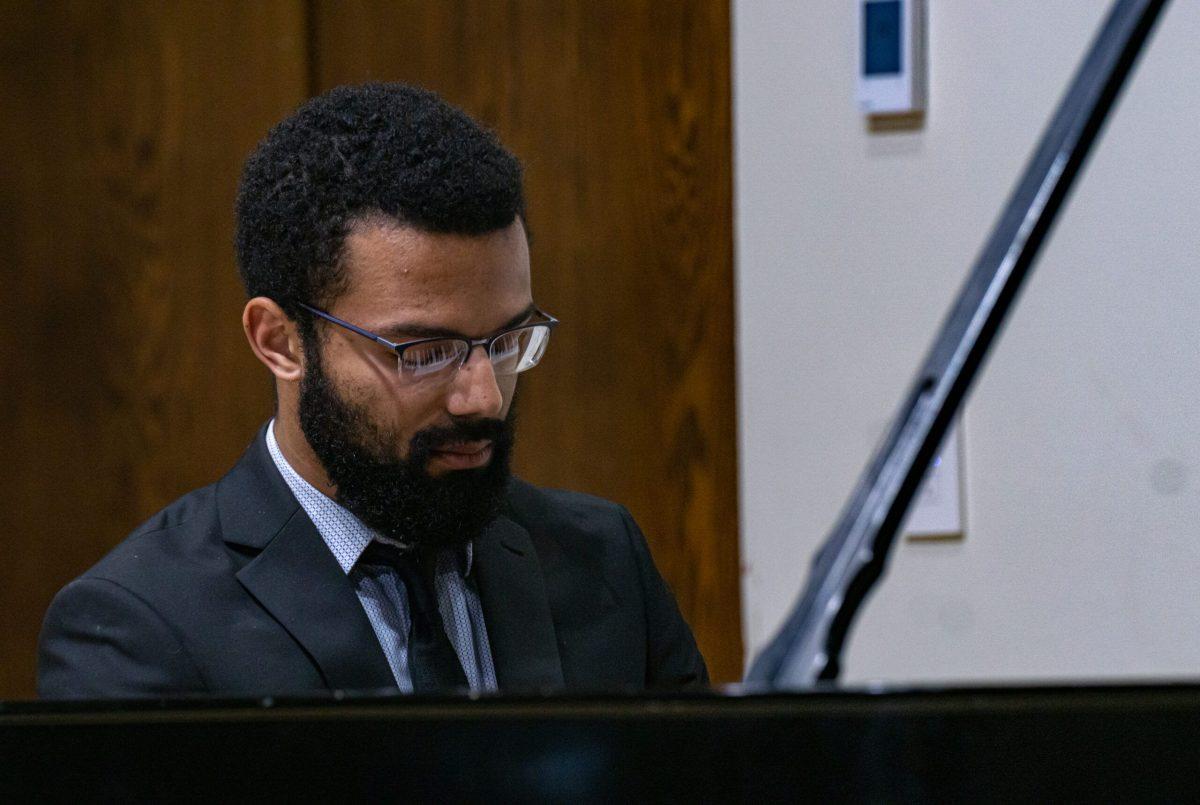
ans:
(621, 111)
(124, 376)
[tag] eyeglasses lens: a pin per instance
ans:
(511, 353)
(519, 350)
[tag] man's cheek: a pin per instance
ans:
(508, 388)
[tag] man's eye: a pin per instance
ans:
(506, 345)
(427, 357)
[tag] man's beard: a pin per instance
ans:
(398, 498)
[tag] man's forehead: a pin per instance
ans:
(401, 278)
(378, 248)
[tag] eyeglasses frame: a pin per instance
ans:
(399, 347)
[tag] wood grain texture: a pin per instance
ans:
(125, 380)
(620, 110)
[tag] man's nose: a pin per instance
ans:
(475, 390)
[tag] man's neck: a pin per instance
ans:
(300, 456)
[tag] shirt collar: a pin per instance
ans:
(345, 535)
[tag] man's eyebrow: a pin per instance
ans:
(408, 331)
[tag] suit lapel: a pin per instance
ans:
(299, 582)
(295, 576)
(516, 609)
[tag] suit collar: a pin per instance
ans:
(253, 501)
(516, 609)
(295, 577)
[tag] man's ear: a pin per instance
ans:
(274, 338)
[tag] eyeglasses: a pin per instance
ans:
(511, 351)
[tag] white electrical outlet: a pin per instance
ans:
(937, 508)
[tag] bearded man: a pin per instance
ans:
(371, 537)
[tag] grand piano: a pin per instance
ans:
(787, 732)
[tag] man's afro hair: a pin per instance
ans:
(353, 153)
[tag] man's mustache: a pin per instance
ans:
(429, 440)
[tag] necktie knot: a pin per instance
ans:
(416, 575)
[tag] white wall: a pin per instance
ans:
(1082, 554)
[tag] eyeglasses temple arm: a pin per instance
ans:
(378, 339)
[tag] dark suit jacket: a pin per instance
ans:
(231, 590)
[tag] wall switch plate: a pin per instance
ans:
(892, 63)
(937, 508)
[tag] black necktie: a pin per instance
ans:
(432, 662)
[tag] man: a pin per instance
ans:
(371, 537)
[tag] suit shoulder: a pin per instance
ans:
(563, 511)
(583, 526)
(182, 511)
(175, 530)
